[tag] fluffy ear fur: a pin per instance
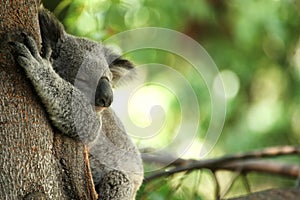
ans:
(119, 66)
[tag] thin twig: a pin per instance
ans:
(217, 188)
(246, 182)
(230, 185)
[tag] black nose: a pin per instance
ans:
(104, 93)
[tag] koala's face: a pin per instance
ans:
(88, 65)
(84, 64)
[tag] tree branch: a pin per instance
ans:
(241, 162)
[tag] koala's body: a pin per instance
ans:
(74, 79)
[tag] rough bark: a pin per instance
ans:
(35, 163)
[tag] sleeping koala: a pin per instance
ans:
(74, 79)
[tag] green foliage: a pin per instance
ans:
(254, 43)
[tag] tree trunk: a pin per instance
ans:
(35, 162)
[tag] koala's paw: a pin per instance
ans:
(115, 185)
(26, 53)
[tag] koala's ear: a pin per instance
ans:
(121, 68)
(51, 29)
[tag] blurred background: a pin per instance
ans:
(255, 45)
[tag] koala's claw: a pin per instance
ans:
(20, 50)
(28, 49)
(26, 53)
(17, 48)
(31, 45)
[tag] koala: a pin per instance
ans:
(74, 77)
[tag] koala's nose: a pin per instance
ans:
(104, 93)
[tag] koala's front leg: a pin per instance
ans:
(68, 108)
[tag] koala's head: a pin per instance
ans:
(91, 67)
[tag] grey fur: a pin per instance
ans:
(121, 156)
(66, 78)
